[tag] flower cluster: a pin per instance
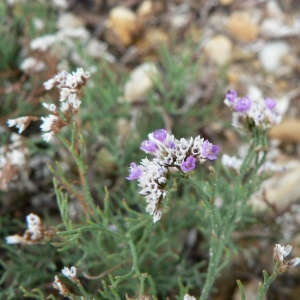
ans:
(71, 274)
(13, 159)
(168, 151)
(33, 235)
(21, 123)
(70, 86)
(58, 285)
(248, 113)
(279, 253)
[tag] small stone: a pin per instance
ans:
(274, 28)
(273, 9)
(140, 82)
(145, 11)
(225, 2)
(281, 190)
(152, 39)
(124, 129)
(179, 16)
(219, 49)
(272, 54)
(243, 27)
(287, 131)
(69, 20)
(233, 74)
(123, 24)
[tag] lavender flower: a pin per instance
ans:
(231, 95)
(189, 164)
(243, 104)
(135, 172)
(209, 150)
(270, 103)
(160, 134)
(148, 146)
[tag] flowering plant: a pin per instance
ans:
(168, 152)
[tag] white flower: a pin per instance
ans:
(14, 239)
(33, 65)
(80, 73)
(188, 297)
(70, 273)
(231, 162)
(74, 101)
(57, 284)
(20, 123)
(64, 93)
(64, 107)
(49, 84)
(51, 107)
(62, 4)
(48, 122)
(280, 252)
(32, 235)
(71, 81)
(38, 23)
(294, 262)
(43, 43)
(157, 215)
(48, 136)
(73, 33)
(17, 157)
(33, 221)
(152, 181)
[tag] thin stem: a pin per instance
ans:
(83, 175)
(136, 264)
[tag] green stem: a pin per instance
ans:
(83, 171)
(267, 282)
(135, 263)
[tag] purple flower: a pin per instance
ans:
(243, 104)
(148, 146)
(209, 150)
(189, 164)
(160, 134)
(171, 145)
(231, 95)
(135, 172)
(270, 103)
